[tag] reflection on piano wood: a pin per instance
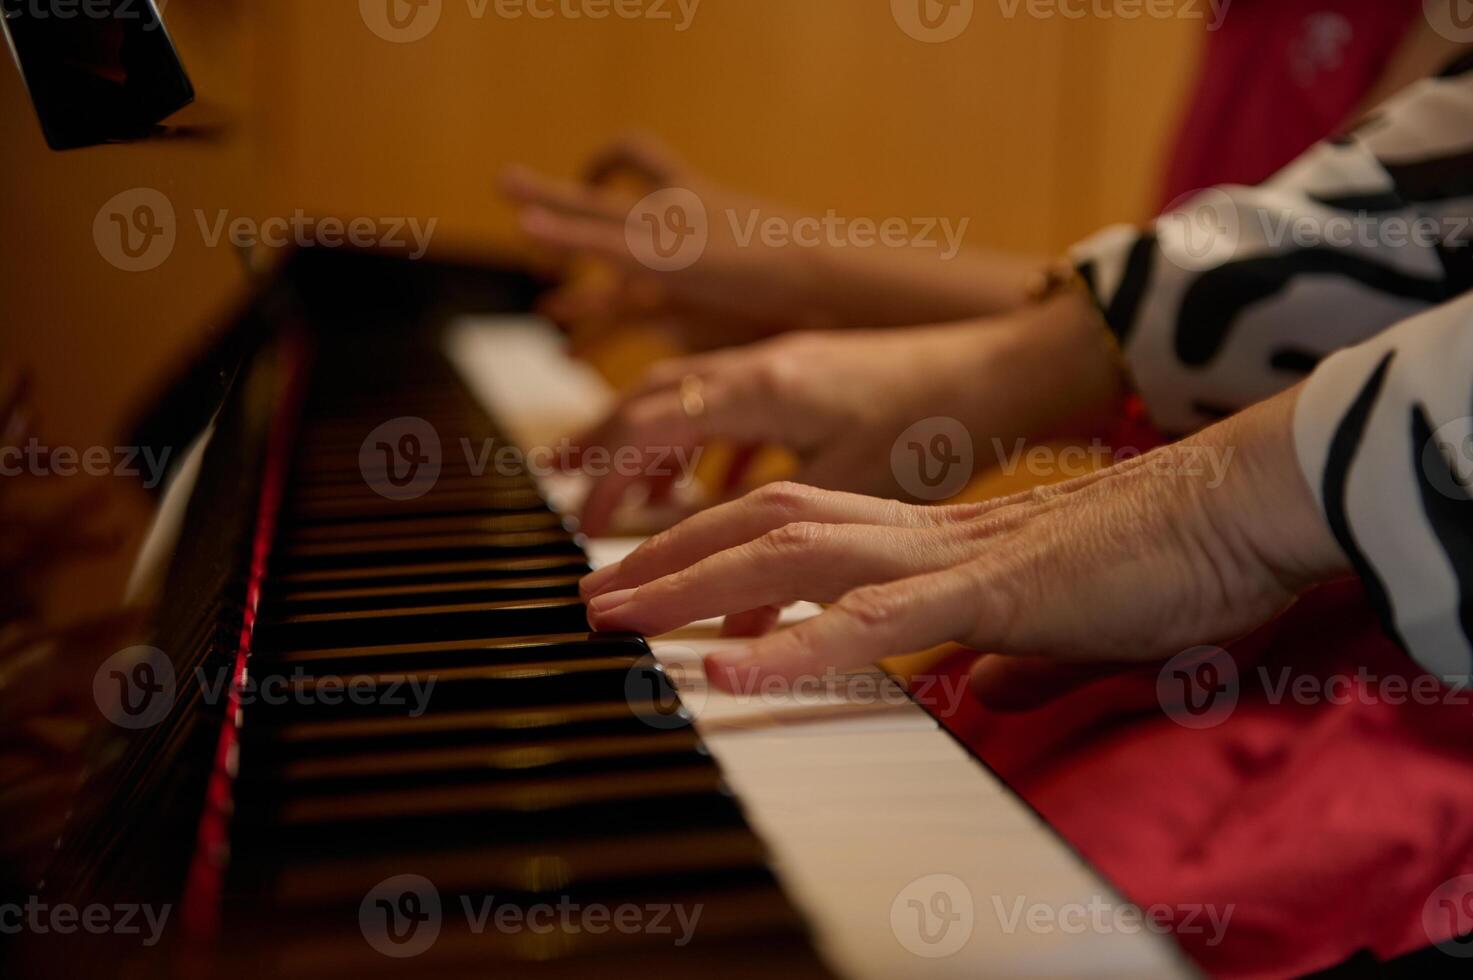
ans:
(432, 768)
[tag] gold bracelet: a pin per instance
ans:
(1061, 278)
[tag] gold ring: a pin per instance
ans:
(692, 396)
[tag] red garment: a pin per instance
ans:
(1326, 827)
(1276, 77)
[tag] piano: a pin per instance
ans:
(380, 739)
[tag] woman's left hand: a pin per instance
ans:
(1193, 543)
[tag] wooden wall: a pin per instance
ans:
(1036, 130)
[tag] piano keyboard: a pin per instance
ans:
(493, 750)
(551, 780)
(879, 824)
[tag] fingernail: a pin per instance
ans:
(595, 582)
(609, 601)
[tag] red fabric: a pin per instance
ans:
(1276, 77)
(1326, 827)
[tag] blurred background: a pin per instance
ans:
(1034, 130)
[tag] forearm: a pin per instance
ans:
(905, 285)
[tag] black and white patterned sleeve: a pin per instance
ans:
(1384, 435)
(1239, 292)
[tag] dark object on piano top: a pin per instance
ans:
(97, 71)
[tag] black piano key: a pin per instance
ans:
(421, 624)
(354, 506)
(295, 695)
(476, 652)
(423, 594)
(545, 761)
(506, 866)
(504, 523)
(403, 820)
(510, 726)
(423, 572)
(283, 775)
(423, 549)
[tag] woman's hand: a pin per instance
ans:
(747, 283)
(839, 400)
(1136, 562)
(732, 294)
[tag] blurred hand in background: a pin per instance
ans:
(745, 285)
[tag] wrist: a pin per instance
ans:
(1069, 351)
(1259, 500)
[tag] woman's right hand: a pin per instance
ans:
(840, 400)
